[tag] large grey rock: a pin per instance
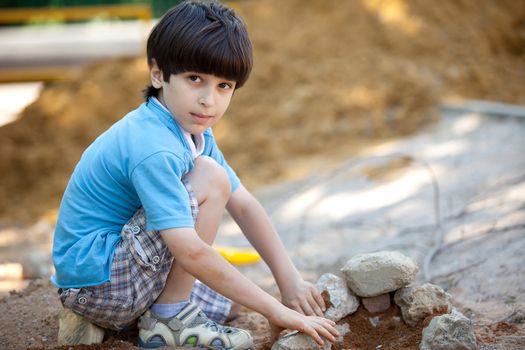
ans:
(449, 332)
(343, 301)
(299, 341)
(369, 275)
(418, 302)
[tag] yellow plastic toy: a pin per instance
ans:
(238, 256)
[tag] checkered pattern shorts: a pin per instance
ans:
(139, 270)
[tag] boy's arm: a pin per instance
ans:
(253, 220)
(203, 262)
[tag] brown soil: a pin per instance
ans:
(385, 330)
(329, 77)
(489, 334)
(29, 320)
(326, 299)
(391, 333)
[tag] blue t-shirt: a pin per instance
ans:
(139, 161)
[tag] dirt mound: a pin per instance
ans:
(328, 76)
(39, 150)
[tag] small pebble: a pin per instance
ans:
(374, 321)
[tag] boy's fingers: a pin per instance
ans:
(313, 304)
(318, 311)
(329, 325)
(307, 310)
(320, 301)
(327, 333)
(312, 332)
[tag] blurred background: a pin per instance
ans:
(330, 78)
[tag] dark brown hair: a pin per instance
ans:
(204, 37)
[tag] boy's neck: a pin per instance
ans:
(196, 143)
(161, 104)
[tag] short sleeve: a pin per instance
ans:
(216, 154)
(157, 181)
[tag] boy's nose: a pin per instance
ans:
(207, 99)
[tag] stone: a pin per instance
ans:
(343, 330)
(299, 341)
(74, 329)
(449, 332)
(374, 321)
(418, 302)
(377, 304)
(373, 274)
(343, 301)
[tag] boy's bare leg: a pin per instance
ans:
(212, 189)
(234, 312)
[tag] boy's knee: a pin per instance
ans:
(209, 177)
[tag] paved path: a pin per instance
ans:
(465, 184)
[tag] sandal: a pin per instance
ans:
(190, 328)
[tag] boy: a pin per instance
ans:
(144, 203)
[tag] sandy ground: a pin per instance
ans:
(328, 76)
(384, 199)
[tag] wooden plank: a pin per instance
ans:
(13, 75)
(74, 13)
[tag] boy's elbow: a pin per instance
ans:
(185, 246)
(196, 253)
(193, 255)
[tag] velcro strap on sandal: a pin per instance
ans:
(146, 323)
(184, 317)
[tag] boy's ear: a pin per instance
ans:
(155, 75)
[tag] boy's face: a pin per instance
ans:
(197, 101)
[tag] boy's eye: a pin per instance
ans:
(194, 78)
(226, 86)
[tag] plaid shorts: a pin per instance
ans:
(140, 267)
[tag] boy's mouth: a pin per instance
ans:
(200, 118)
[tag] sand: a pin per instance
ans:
(328, 77)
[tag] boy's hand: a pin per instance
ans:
(315, 327)
(303, 297)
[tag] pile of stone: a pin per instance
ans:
(371, 278)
